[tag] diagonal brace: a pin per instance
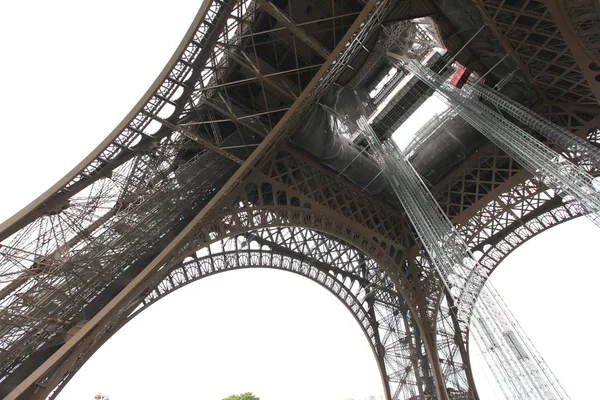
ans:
(298, 31)
(196, 137)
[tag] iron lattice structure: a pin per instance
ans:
(212, 171)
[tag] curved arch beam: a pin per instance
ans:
(523, 212)
(248, 218)
(119, 146)
(498, 216)
(553, 214)
(196, 269)
(352, 278)
(369, 18)
(578, 23)
(244, 220)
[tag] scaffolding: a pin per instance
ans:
(515, 363)
(517, 366)
(572, 182)
(580, 148)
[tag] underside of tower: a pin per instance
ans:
(241, 154)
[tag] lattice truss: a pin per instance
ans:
(522, 375)
(451, 347)
(494, 178)
(535, 206)
(261, 203)
(521, 207)
(243, 77)
(452, 353)
(241, 67)
(347, 273)
(354, 278)
(455, 374)
(577, 153)
(541, 50)
(417, 37)
(497, 205)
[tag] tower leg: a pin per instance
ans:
(429, 340)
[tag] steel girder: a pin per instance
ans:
(497, 205)
(554, 43)
(122, 208)
(354, 279)
(143, 163)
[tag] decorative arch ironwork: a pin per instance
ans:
(522, 211)
(497, 206)
(355, 279)
(262, 202)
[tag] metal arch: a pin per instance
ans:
(194, 270)
(344, 271)
(202, 267)
(356, 280)
(192, 52)
(521, 221)
(263, 202)
(335, 65)
(514, 216)
(251, 218)
(537, 210)
(496, 205)
(311, 186)
(511, 218)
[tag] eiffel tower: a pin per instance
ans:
(248, 151)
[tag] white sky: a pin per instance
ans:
(71, 70)
(406, 132)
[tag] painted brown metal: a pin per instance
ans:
(479, 195)
(112, 309)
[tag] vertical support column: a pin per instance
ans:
(427, 330)
(460, 343)
(380, 348)
(419, 362)
(429, 340)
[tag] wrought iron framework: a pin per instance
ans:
(536, 35)
(200, 178)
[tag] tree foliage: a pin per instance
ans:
(243, 396)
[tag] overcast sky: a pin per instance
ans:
(71, 70)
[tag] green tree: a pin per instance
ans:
(243, 396)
